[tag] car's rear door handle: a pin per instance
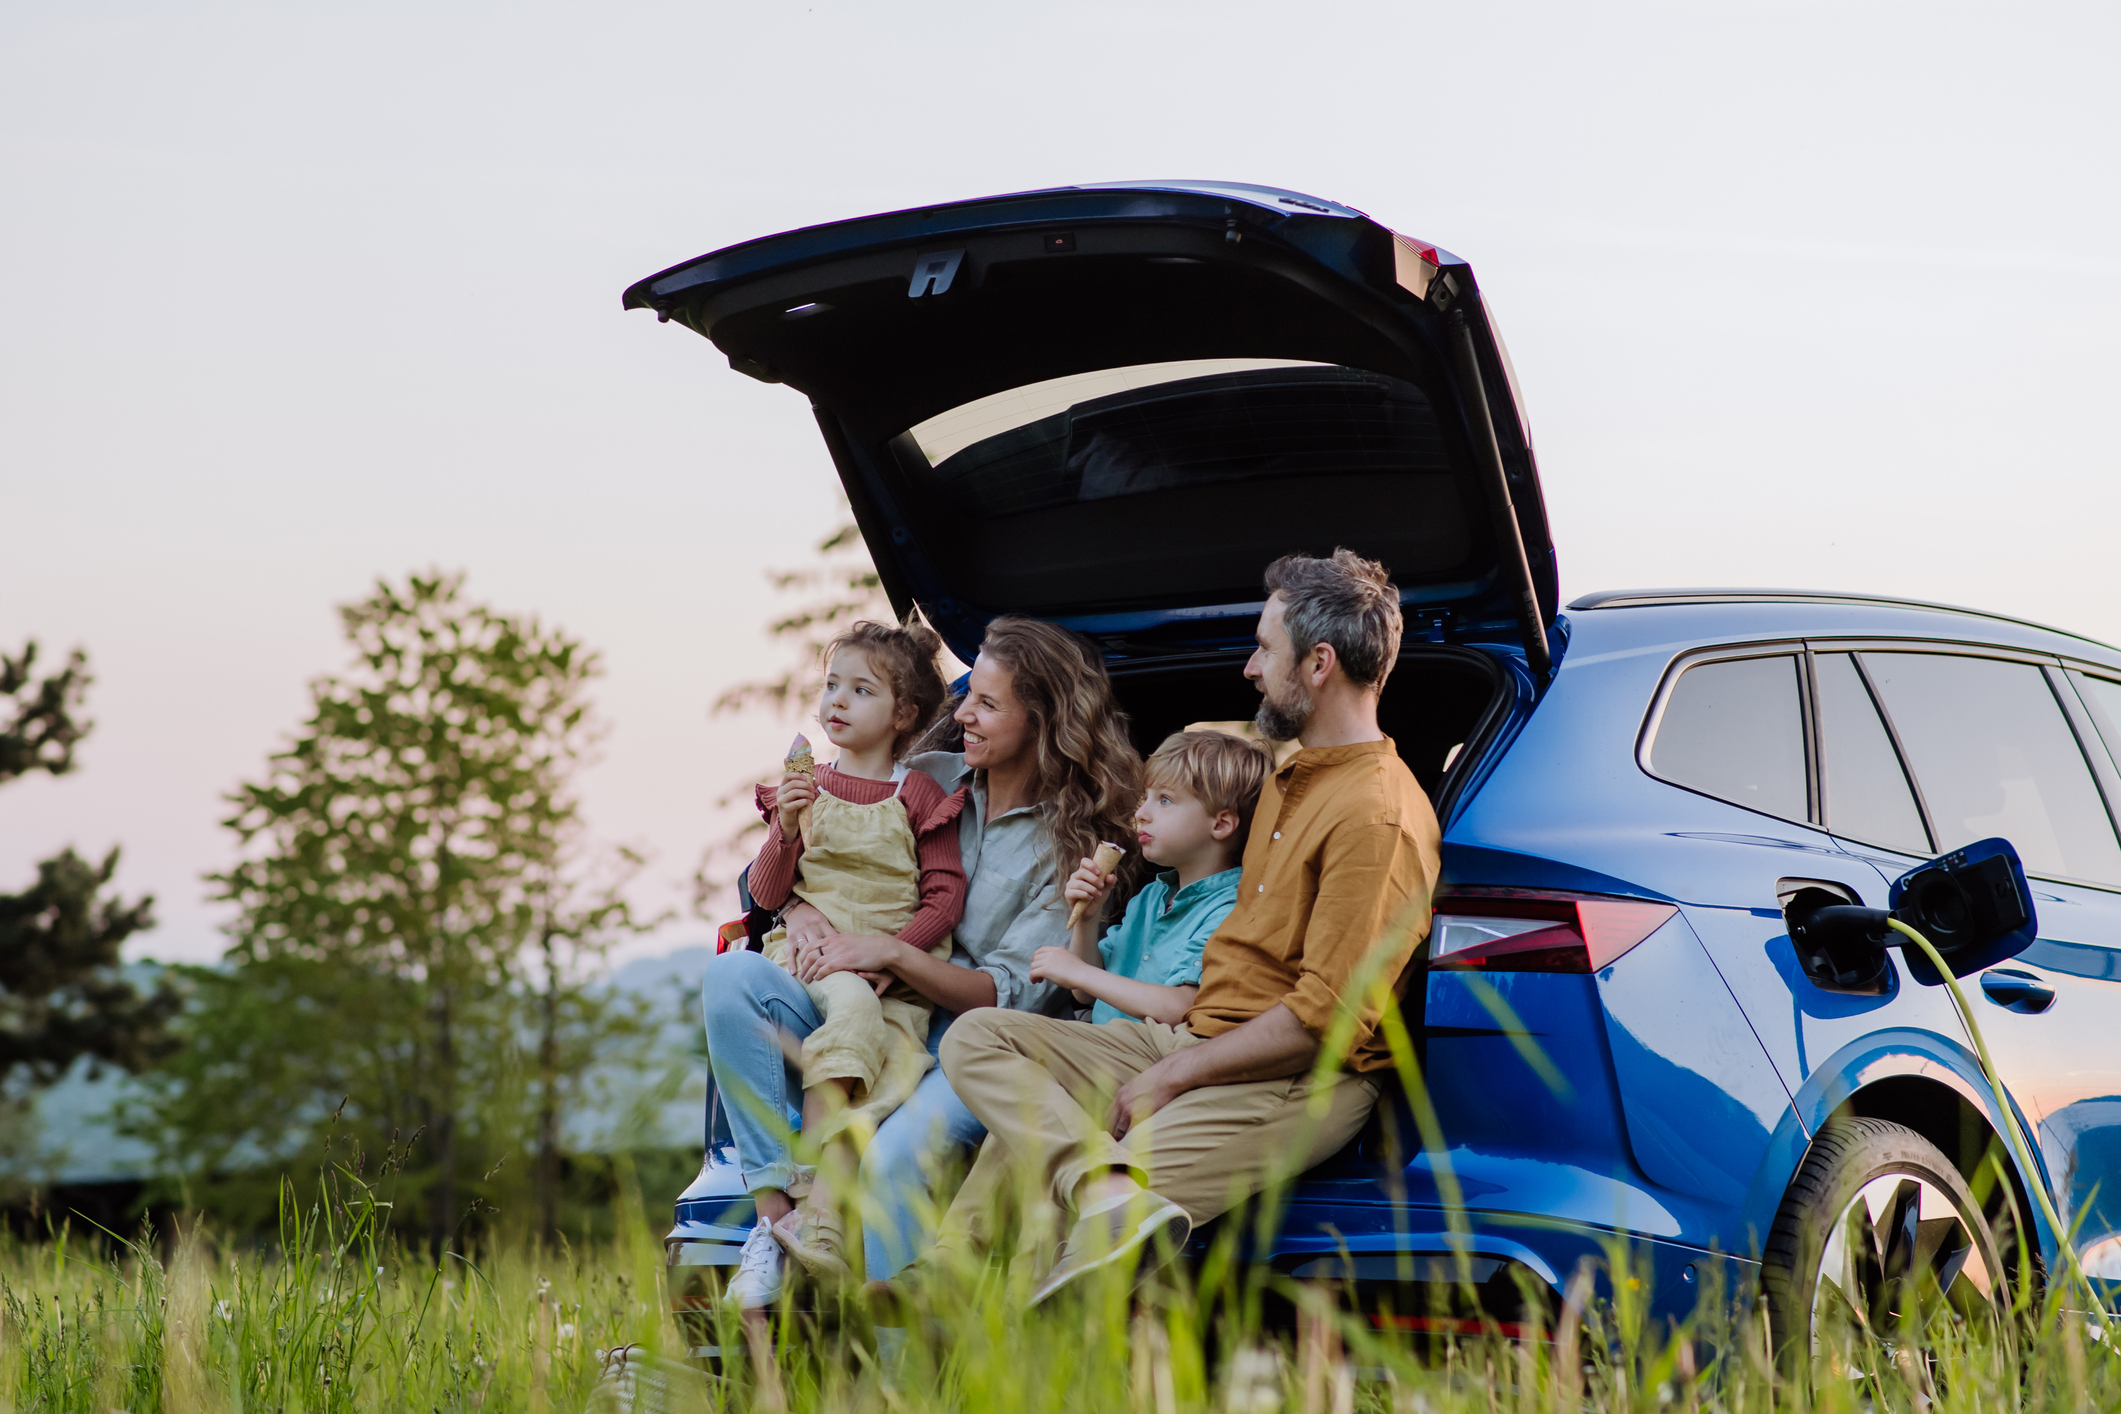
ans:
(2019, 991)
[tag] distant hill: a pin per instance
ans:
(71, 1141)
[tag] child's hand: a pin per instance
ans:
(1087, 884)
(1060, 967)
(795, 792)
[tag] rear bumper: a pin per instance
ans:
(1413, 1259)
(1405, 1255)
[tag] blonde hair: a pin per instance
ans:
(1221, 771)
(909, 658)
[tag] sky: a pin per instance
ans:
(296, 296)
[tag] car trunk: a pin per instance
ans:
(1113, 406)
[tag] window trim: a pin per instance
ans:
(1892, 737)
(2106, 769)
(1653, 719)
(2106, 774)
(2047, 663)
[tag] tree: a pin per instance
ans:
(840, 590)
(577, 1020)
(41, 732)
(62, 996)
(408, 916)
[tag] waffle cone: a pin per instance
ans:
(1106, 858)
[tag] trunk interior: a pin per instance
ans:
(1438, 705)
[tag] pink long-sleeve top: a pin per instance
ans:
(933, 816)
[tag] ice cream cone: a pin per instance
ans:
(1105, 858)
(802, 762)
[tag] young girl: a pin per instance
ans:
(873, 856)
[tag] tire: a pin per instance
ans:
(1878, 1240)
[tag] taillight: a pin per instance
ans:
(1528, 930)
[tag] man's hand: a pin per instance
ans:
(1147, 1093)
(1271, 1046)
(1060, 967)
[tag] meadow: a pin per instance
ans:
(335, 1315)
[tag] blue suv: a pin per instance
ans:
(1110, 406)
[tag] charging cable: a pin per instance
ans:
(2010, 1125)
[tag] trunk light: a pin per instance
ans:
(1526, 930)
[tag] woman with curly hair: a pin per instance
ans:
(1043, 751)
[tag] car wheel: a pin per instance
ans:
(1877, 1243)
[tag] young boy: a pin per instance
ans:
(1192, 821)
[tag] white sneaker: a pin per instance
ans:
(760, 1270)
(1112, 1231)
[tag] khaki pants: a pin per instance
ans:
(1044, 1088)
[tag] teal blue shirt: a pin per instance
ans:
(1160, 937)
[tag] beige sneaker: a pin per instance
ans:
(812, 1236)
(1113, 1231)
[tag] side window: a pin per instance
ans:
(1867, 794)
(1735, 730)
(2104, 698)
(1995, 756)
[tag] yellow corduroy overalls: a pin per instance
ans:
(861, 868)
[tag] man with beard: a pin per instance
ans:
(1139, 1128)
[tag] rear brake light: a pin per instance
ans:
(1527, 930)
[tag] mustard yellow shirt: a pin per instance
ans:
(1342, 858)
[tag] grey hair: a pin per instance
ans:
(1345, 602)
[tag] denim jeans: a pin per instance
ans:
(747, 1002)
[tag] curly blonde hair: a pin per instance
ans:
(1087, 768)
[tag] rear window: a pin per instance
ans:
(1735, 730)
(1995, 756)
(1281, 420)
(1182, 480)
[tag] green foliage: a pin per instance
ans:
(342, 1317)
(61, 993)
(414, 951)
(38, 730)
(62, 996)
(838, 591)
(335, 1316)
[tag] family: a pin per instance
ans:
(916, 1004)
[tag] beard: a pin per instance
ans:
(1283, 716)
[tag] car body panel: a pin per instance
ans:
(1572, 804)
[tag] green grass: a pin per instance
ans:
(335, 1316)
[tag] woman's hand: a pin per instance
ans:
(794, 792)
(1087, 885)
(808, 928)
(1060, 967)
(851, 952)
(806, 925)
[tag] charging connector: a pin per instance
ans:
(1962, 912)
(2011, 1128)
